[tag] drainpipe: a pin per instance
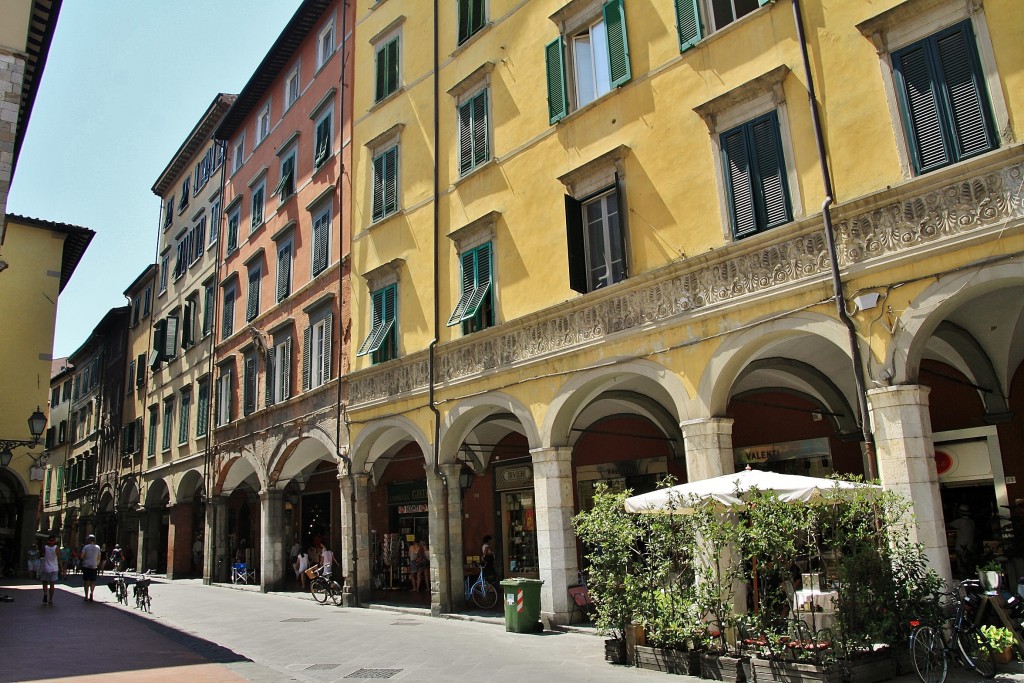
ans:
(833, 257)
(342, 412)
(437, 325)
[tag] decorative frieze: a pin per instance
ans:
(987, 199)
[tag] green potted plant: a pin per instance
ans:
(999, 640)
(988, 574)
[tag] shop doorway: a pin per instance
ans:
(316, 518)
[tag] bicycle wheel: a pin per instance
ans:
(973, 648)
(319, 589)
(336, 593)
(484, 596)
(928, 655)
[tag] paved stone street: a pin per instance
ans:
(206, 633)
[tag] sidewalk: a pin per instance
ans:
(203, 633)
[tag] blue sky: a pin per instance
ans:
(125, 82)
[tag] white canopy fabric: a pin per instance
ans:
(727, 491)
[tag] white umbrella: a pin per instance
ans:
(727, 491)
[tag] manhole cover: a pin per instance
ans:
(374, 673)
(322, 667)
(299, 619)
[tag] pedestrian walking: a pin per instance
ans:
(92, 556)
(50, 568)
(328, 561)
(301, 564)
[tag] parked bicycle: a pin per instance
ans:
(482, 592)
(119, 586)
(931, 648)
(323, 586)
(140, 590)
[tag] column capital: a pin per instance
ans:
(551, 454)
(900, 394)
(271, 494)
(707, 424)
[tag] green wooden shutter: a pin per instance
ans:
(465, 20)
(284, 270)
(252, 304)
(392, 72)
(558, 101)
(576, 244)
(171, 338)
(481, 147)
(920, 105)
(468, 288)
(325, 360)
(736, 161)
(249, 385)
(964, 92)
(374, 338)
(286, 369)
(228, 321)
(618, 45)
(465, 137)
(378, 187)
(620, 207)
(482, 277)
(772, 190)
(380, 88)
(688, 24)
(307, 357)
(208, 310)
(321, 232)
(391, 181)
(186, 325)
(269, 382)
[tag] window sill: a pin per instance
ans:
(387, 98)
(326, 62)
(590, 105)
(473, 172)
(327, 162)
(285, 202)
(459, 49)
(729, 28)
(256, 228)
(386, 219)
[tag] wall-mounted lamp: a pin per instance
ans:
(466, 477)
(36, 425)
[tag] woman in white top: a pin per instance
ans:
(301, 565)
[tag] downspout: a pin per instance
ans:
(342, 412)
(833, 257)
(437, 325)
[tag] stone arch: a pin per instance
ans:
(468, 414)
(301, 451)
(158, 495)
(379, 441)
(234, 469)
(650, 379)
(190, 483)
(738, 350)
(129, 496)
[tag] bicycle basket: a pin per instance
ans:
(311, 573)
(948, 610)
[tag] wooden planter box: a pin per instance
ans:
(794, 672)
(873, 668)
(722, 668)
(615, 651)
(663, 659)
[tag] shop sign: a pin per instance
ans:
(412, 492)
(411, 509)
(779, 452)
(621, 470)
(513, 477)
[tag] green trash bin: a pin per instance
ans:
(522, 605)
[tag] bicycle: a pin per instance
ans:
(483, 594)
(120, 588)
(323, 587)
(931, 648)
(141, 592)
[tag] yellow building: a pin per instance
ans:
(39, 258)
(606, 241)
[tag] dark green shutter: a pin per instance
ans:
(228, 321)
(921, 108)
(249, 386)
(576, 244)
(321, 231)
(284, 270)
(480, 146)
(387, 70)
(378, 188)
(326, 359)
(558, 102)
(286, 370)
(270, 377)
(380, 89)
(307, 356)
(482, 277)
(465, 19)
(392, 75)
(466, 137)
(618, 44)
(170, 341)
(688, 23)
(964, 92)
(468, 288)
(772, 189)
(391, 181)
(252, 304)
(738, 183)
(372, 343)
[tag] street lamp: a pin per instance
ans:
(36, 425)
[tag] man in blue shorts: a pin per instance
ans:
(91, 557)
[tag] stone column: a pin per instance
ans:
(179, 541)
(356, 556)
(556, 542)
(906, 464)
(708, 443)
(437, 516)
(215, 554)
(455, 538)
(274, 542)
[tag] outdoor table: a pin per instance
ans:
(816, 608)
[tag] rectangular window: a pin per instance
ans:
(184, 251)
(475, 308)
(168, 425)
(284, 271)
(208, 309)
(321, 241)
(316, 353)
(724, 12)
(184, 414)
(322, 142)
(165, 262)
(471, 18)
(238, 155)
(325, 44)
(146, 301)
(252, 304)
(198, 241)
(168, 211)
(386, 59)
(62, 431)
(54, 397)
(596, 239)
(215, 221)
(286, 186)
(385, 183)
(224, 392)
(249, 371)
(169, 338)
(227, 322)
(131, 377)
(60, 483)
(262, 124)
(279, 371)
(49, 476)
(202, 407)
(258, 200)
(185, 194)
(136, 310)
(140, 370)
(382, 341)
(67, 391)
(474, 145)
(755, 176)
(234, 218)
(189, 322)
(943, 101)
(595, 56)
(292, 87)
